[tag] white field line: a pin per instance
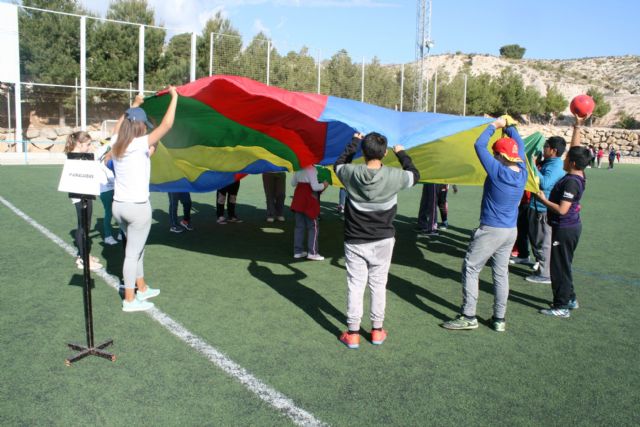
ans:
(273, 397)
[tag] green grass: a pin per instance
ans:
(238, 288)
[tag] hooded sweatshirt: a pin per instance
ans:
(372, 195)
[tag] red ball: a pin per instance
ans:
(582, 105)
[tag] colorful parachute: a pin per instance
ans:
(228, 125)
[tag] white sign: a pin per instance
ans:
(10, 69)
(81, 177)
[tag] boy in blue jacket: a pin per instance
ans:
(494, 238)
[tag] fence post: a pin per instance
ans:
(435, 90)
(76, 99)
(141, 59)
(8, 107)
(193, 57)
(464, 98)
(319, 65)
(210, 54)
(362, 82)
(83, 73)
(268, 59)
(401, 85)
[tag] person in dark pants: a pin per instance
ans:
(80, 142)
(520, 252)
(612, 157)
(564, 217)
(275, 193)
(228, 194)
(443, 205)
(185, 223)
(428, 213)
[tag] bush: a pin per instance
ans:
(512, 51)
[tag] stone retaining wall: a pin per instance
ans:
(627, 141)
(52, 139)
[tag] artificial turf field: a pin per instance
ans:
(238, 288)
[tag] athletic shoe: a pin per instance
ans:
(120, 235)
(149, 293)
(270, 219)
(93, 266)
(186, 224)
(280, 218)
(136, 305)
(378, 336)
(535, 266)
(557, 312)
(571, 305)
(315, 257)
(110, 241)
(350, 340)
(536, 278)
(234, 219)
(176, 229)
(499, 325)
(443, 225)
(340, 209)
(520, 260)
(221, 220)
(300, 255)
(460, 323)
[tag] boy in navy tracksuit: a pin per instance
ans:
(564, 217)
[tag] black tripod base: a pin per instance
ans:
(90, 351)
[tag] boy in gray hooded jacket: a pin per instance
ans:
(368, 227)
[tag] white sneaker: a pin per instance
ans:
(280, 218)
(136, 305)
(221, 220)
(270, 219)
(110, 241)
(300, 255)
(149, 293)
(93, 266)
(315, 257)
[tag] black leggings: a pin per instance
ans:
(80, 230)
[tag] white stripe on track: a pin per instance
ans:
(273, 397)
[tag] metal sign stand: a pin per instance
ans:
(90, 349)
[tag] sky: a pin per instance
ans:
(548, 29)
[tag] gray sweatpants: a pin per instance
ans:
(488, 242)
(135, 221)
(367, 264)
(540, 238)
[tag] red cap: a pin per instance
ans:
(508, 148)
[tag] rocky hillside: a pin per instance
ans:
(617, 77)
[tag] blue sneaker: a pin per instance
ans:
(149, 293)
(573, 304)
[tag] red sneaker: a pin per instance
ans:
(350, 340)
(378, 336)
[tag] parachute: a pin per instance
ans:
(230, 125)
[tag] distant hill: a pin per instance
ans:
(617, 77)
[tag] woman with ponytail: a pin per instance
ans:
(131, 154)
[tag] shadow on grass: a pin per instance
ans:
(307, 299)
(78, 280)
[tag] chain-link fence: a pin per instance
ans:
(60, 90)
